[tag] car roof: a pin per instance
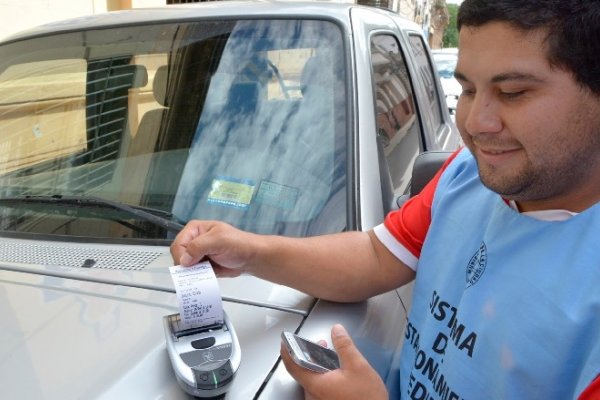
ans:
(193, 11)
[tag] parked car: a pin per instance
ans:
(445, 60)
(115, 129)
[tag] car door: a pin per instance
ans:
(398, 134)
(439, 130)
(411, 116)
(389, 128)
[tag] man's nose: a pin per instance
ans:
(481, 115)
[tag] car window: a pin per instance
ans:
(238, 120)
(398, 132)
(432, 99)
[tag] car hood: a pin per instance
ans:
(143, 267)
(63, 324)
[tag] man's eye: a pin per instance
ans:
(512, 95)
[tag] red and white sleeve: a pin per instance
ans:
(403, 231)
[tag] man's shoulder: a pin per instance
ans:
(460, 165)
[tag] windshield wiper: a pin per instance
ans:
(158, 217)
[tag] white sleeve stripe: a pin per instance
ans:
(395, 247)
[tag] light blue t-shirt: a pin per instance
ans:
(505, 306)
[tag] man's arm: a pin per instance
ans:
(346, 267)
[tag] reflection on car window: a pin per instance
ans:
(428, 78)
(41, 90)
(242, 121)
(397, 125)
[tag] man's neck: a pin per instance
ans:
(544, 215)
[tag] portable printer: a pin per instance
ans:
(205, 359)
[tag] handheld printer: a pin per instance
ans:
(205, 359)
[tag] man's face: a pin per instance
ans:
(534, 132)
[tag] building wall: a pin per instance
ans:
(17, 15)
(440, 20)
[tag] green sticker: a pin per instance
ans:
(231, 192)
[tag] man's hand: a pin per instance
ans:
(355, 379)
(227, 247)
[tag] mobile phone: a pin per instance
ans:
(309, 354)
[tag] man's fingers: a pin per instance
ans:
(179, 246)
(193, 243)
(344, 346)
(294, 369)
(286, 358)
(217, 242)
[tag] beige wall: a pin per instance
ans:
(17, 15)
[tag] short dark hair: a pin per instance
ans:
(573, 28)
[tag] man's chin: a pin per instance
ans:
(509, 189)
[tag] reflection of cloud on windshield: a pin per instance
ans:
(265, 132)
(291, 147)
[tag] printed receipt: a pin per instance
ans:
(198, 295)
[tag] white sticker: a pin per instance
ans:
(198, 295)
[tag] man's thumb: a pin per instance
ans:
(343, 344)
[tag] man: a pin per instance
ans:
(503, 242)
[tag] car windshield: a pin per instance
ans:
(237, 120)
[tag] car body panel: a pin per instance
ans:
(64, 331)
(84, 313)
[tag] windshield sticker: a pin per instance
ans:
(276, 195)
(231, 192)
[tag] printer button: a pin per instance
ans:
(203, 343)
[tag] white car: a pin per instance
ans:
(445, 61)
(280, 118)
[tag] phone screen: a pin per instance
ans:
(318, 354)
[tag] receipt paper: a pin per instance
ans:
(198, 295)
